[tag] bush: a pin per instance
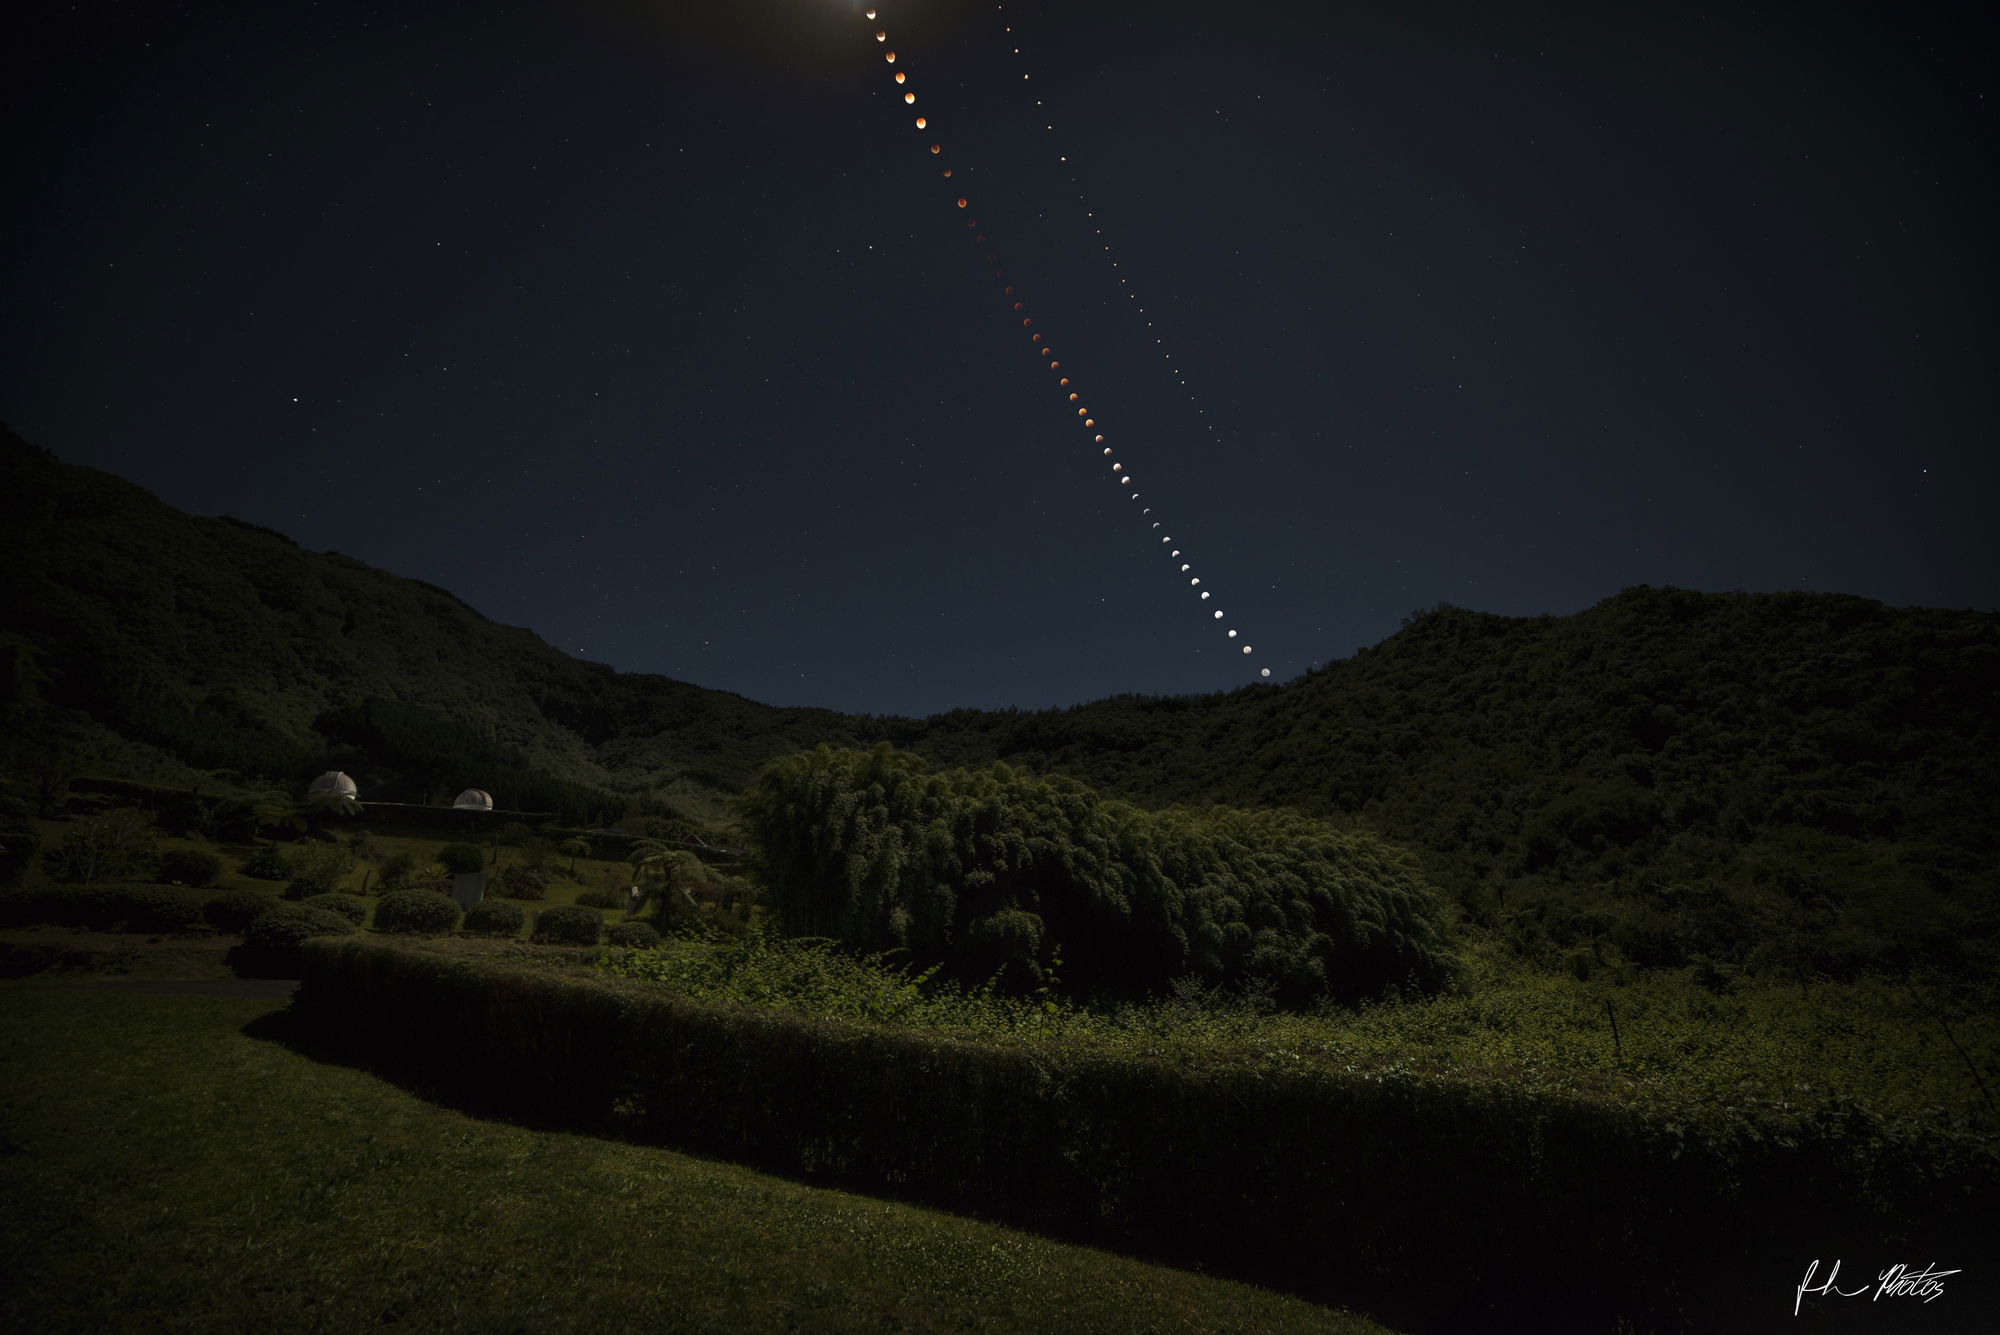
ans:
(397, 869)
(416, 913)
(523, 882)
(109, 846)
(233, 911)
(117, 908)
(154, 908)
(271, 943)
(495, 917)
(288, 924)
(18, 842)
(351, 907)
(982, 870)
(267, 864)
(568, 925)
(22, 908)
(633, 935)
(601, 899)
(319, 869)
(458, 859)
(190, 866)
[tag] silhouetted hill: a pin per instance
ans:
(1789, 782)
(144, 638)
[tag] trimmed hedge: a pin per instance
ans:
(416, 913)
(1478, 1200)
(462, 859)
(271, 944)
(633, 935)
(569, 925)
(288, 924)
(350, 907)
(234, 910)
(190, 866)
(149, 909)
(495, 917)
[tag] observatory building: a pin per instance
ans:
(334, 786)
(474, 799)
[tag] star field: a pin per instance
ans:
(653, 327)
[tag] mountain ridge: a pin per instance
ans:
(1675, 772)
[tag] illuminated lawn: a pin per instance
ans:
(162, 1169)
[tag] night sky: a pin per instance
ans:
(656, 329)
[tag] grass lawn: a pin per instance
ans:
(163, 1169)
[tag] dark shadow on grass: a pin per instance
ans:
(1424, 1306)
(1442, 1295)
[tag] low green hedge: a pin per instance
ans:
(569, 925)
(416, 913)
(147, 909)
(1474, 1198)
(271, 943)
(633, 935)
(495, 917)
(233, 911)
(351, 907)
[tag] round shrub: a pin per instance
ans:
(458, 859)
(319, 869)
(416, 913)
(568, 925)
(267, 864)
(350, 907)
(633, 935)
(286, 925)
(524, 882)
(495, 917)
(233, 911)
(601, 899)
(271, 943)
(190, 866)
(18, 841)
(397, 870)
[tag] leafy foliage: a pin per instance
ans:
(415, 913)
(234, 910)
(569, 925)
(524, 883)
(633, 935)
(990, 871)
(350, 907)
(318, 868)
(272, 940)
(112, 845)
(494, 917)
(18, 842)
(267, 864)
(398, 869)
(460, 859)
(190, 866)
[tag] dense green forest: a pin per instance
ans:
(1793, 785)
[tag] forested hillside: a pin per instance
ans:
(1799, 781)
(144, 641)
(1791, 783)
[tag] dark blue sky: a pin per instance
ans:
(654, 328)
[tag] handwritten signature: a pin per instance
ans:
(1898, 1281)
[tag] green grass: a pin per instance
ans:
(160, 1169)
(1759, 1051)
